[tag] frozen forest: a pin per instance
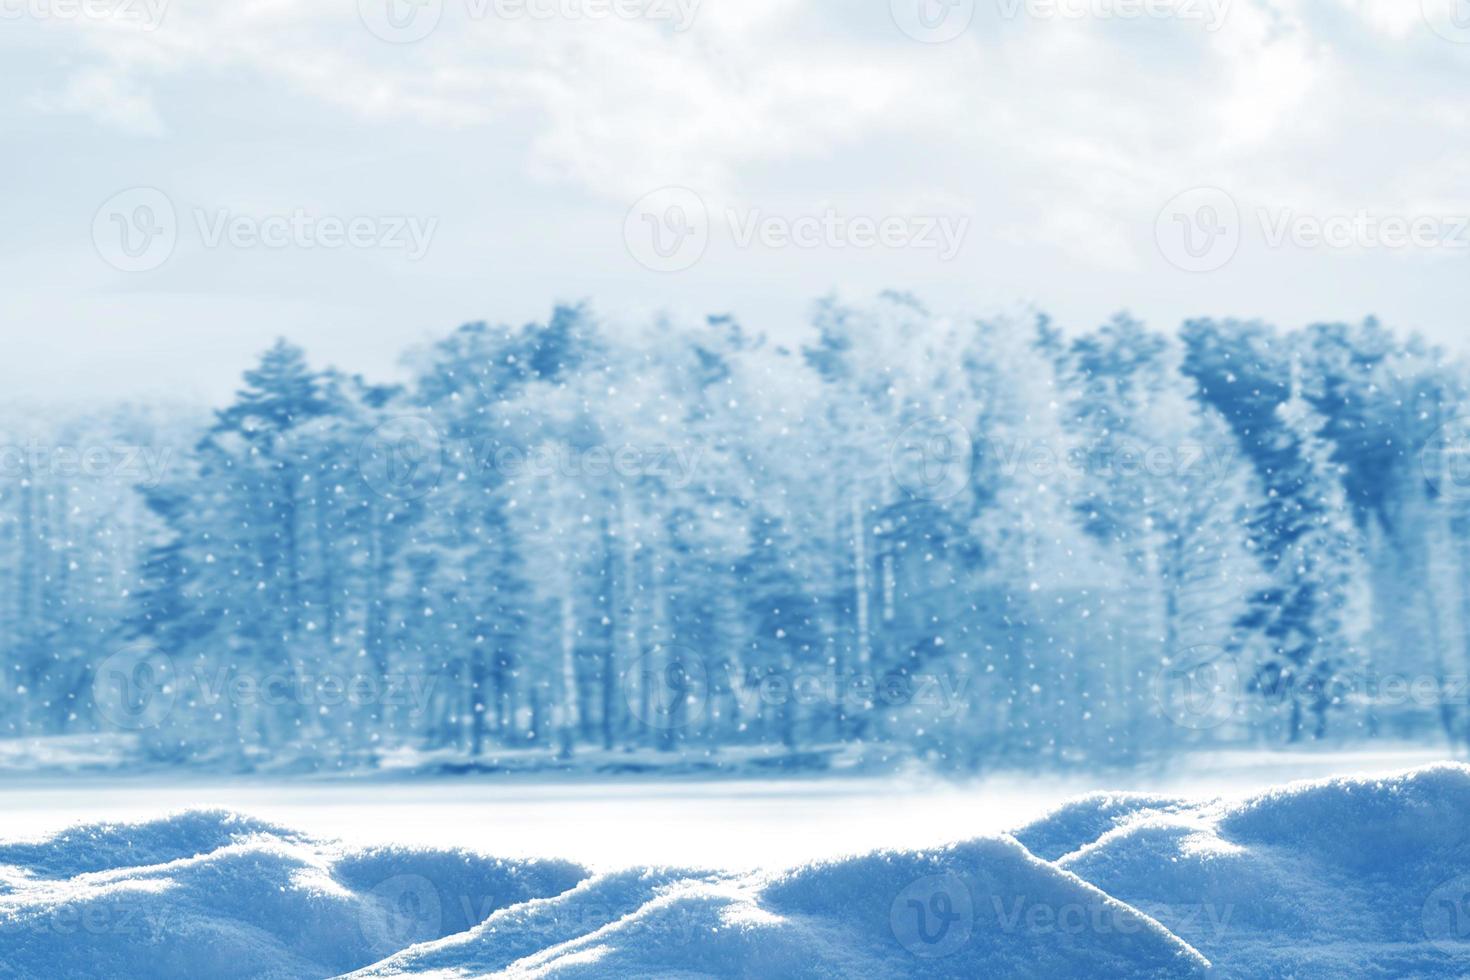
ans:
(909, 539)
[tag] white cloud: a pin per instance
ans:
(1060, 139)
(112, 98)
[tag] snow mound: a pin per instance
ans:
(250, 900)
(1087, 818)
(1320, 878)
(891, 914)
(102, 847)
(1336, 877)
(523, 931)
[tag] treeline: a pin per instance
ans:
(965, 541)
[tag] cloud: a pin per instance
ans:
(112, 98)
(1059, 138)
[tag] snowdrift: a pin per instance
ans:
(1340, 877)
(1329, 878)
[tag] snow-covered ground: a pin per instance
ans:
(1362, 875)
(609, 823)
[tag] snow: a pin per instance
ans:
(609, 823)
(1315, 877)
(1360, 875)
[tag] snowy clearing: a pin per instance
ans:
(1363, 875)
(733, 824)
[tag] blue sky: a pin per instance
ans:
(1052, 135)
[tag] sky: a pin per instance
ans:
(186, 181)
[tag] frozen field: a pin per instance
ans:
(727, 823)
